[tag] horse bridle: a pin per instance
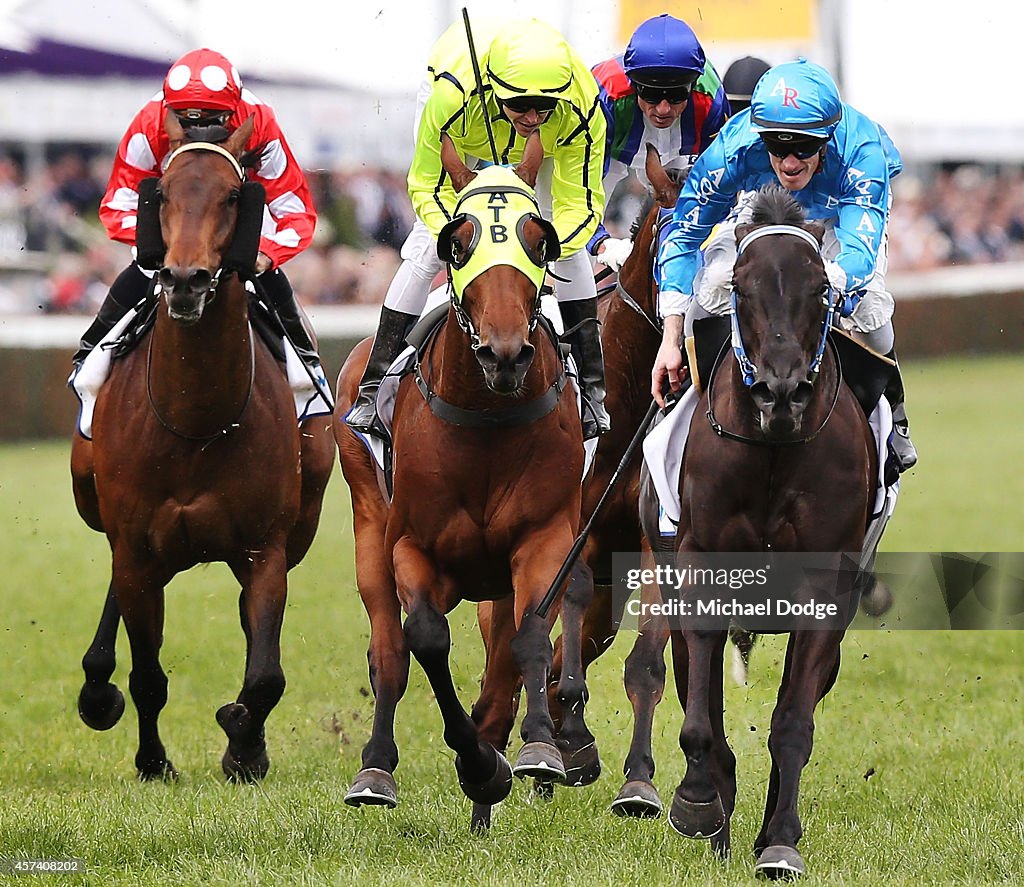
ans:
(664, 217)
(235, 165)
(212, 292)
(747, 368)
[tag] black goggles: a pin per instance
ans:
(675, 94)
(542, 104)
(781, 145)
(196, 117)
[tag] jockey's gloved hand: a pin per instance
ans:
(614, 252)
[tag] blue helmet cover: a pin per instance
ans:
(796, 97)
(663, 46)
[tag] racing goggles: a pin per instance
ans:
(188, 117)
(782, 144)
(656, 93)
(542, 104)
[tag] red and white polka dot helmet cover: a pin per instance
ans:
(203, 79)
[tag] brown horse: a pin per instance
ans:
(779, 458)
(197, 457)
(488, 459)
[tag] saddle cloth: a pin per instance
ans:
(405, 362)
(665, 444)
(86, 381)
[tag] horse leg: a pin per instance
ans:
(261, 611)
(500, 688)
(697, 809)
(644, 677)
(388, 659)
(812, 665)
(139, 595)
(484, 774)
(723, 759)
(101, 703)
(577, 744)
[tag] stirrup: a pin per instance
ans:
(903, 449)
(362, 415)
(596, 420)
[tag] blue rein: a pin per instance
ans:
(747, 367)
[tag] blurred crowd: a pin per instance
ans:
(944, 215)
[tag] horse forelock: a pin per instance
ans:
(212, 134)
(774, 205)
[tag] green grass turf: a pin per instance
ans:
(915, 777)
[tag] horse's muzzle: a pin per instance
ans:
(505, 365)
(781, 403)
(186, 291)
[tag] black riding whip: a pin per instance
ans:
(479, 84)
(581, 540)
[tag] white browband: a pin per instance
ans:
(208, 146)
(777, 229)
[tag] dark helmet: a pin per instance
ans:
(664, 50)
(740, 79)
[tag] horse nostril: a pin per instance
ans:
(486, 356)
(200, 280)
(802, 394)
(165, 277)
(763, 395)
(525, 357)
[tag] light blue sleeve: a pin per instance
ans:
(862, 213)
(706, 198)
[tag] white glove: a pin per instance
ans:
(836, 275)
(614, 252)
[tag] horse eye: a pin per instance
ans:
(233, 196)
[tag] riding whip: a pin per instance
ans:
(479, 84)
(581, 540)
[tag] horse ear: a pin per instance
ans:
(533, 155)
(665, 190)
(460, 174)
(817, 229)
(743, 230)
(236, 142)
(174, 130)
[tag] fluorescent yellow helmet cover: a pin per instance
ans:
(498, 203)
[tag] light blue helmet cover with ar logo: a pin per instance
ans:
(796, 97)
(499, 204)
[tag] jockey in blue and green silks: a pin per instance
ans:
(533, 81)
(838, 164)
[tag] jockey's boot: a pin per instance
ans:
(583, 333)
(281, 295)
(392, 329)
(902, 446)
(127, 290)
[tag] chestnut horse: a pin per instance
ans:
(197, 457)
(488, 459)
(779, 458)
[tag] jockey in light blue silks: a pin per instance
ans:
(663, 92)
(838, 164)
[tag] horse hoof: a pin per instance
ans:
(252, 769)
(696, 820)
(492, 790)
(543, 790)
(778, 862)
(100, 707)
(373, 787)
(480, 821)
(541, 760)
(157, 770)
(583, 766)
(639, 800)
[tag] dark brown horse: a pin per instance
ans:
(786, 464)
(488, 459)
(196, 457)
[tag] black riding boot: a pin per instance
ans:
(583, 333)
(127, 290)
(280, 293)
(902, 446)
(392, 329)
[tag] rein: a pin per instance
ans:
(207, 438)
(502, 417)
(747, 368)
(664, 217)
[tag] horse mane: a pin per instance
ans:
(645, 208)
(774, 205)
